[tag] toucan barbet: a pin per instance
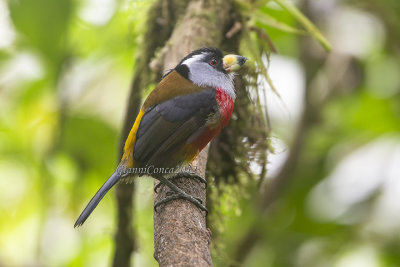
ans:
(184, 112)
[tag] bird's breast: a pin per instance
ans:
(215, 123)
(225, 103)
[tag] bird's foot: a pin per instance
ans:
(177, 193)
(184, 175)
(171, 195)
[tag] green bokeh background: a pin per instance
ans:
(65, 72)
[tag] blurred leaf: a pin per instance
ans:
(374, 115)
(308, 25)
(90, 141)
(270, 21)
(44, 23)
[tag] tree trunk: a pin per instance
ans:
(124, 236)
(181, 236)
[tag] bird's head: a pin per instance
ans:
(210, 68)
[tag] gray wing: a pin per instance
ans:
(166, 127)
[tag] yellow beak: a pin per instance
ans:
(233, 63)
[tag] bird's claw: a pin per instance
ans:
(183, 175)
(171, 195)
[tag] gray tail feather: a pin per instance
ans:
(114, 178)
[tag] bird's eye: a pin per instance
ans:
(213, 62)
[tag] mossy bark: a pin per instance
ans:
(174, 28)
(181, 237)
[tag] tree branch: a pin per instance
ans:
(180, 232)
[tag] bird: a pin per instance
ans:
(184, 112)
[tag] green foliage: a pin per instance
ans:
(307, 24)
(64, 82)
(44, 24)
(57, 141)
(77, 145)
(292, 232)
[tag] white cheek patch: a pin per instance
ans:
(202, 74)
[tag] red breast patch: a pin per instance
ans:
(225, 103)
